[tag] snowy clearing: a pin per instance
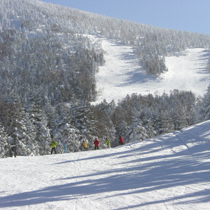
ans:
(167, 172)
(122, 75)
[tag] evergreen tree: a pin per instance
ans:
(165, 122)
(4, 146)
(39, 120)
(64, 130)
(148, 125)
(122, 130)
(136, 131)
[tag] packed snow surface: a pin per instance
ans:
(167, 172)
(122, 74)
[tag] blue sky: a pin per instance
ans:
(185, 15)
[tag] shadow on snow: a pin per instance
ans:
(172, 169)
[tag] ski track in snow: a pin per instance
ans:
(166, 172)
(122, 75)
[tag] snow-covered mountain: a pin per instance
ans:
(134, 58)
(54, 61)
(166, 172)
(57, 64)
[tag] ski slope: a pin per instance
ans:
(122, 75)
(167, 172)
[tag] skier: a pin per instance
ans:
(96, 142)
(108, 143)
(13, 147)
(53, 145)
(84, 144)
(121, 141)
(13, 151)
(65, 147)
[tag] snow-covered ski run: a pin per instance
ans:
(122, 74)
(166, 172)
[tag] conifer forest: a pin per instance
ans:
(47, 77)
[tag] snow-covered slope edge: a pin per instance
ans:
(167, 172)
(122, 75)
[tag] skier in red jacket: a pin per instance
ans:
(121, 141)
(96, 142)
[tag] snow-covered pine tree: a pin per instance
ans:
(64, 130)
(30, 136)
(180, 121)
(204, 105)
(148, 125)
(122, 130)
(165, 122)
(50, 114)
(39, 120)
(136, 131)
(83, 120)
(15, 127)
(4, 145)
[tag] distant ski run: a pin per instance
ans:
(122, 74)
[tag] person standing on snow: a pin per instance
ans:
(84, 144)
(96, 142)
(121, 141)
(65, 147)
(108, 143)
(53, 145)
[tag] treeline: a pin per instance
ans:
(136, 118)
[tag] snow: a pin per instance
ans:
(166, 172)
(122, 74)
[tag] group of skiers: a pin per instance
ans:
(53, 144)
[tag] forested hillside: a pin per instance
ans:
(47, 77)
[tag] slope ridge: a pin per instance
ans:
(166, 172)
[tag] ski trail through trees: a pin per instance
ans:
(122, 74)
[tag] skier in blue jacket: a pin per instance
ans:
(65, 147)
